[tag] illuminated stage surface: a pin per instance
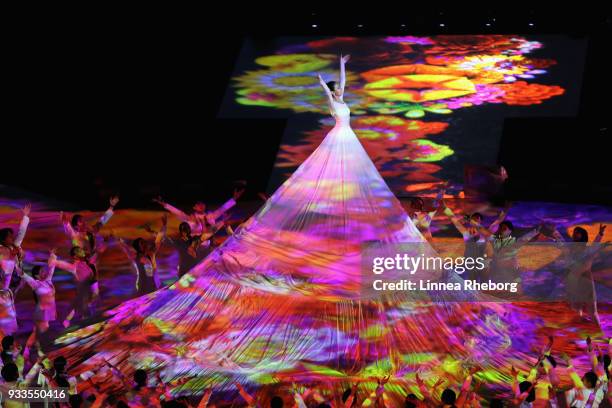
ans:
(432, 339)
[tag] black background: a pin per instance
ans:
(126, 101)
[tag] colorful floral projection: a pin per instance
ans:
(401, 90)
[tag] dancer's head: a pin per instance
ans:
(7, 236)
(448, 397)
(346, 394)
(184, 230)
(140, 378)
(589, 380)
(199, 207)
(8, 347)
(59, 365)
(40, 273)
(139, 245)
(411, 401)
(195, 242)
(527, 386)
(335, 89)
(77, 222)
(476, 218)
(505, 229)
(7, 343)
(580, 235)
(276, 402)
(10, 372)
(417, 204)
(78, 253)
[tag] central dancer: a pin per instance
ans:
(335, 93)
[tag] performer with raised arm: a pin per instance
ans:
(83, 235)
(83, 269)
(422, 219)
(142, 254)
(578, 257)
(200, 220)
(86, 236)
(11, 256)
(474, 234)
(192, 249)
(504, 247)
(41, 282)
(335, 91)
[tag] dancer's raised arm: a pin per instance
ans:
(456, 220)
(343, 60)
(128, 250)
(328, 91)
(67, 266)
(500, 218)
(214, 215)
(23, 225)
(107, 214)
(178, 213)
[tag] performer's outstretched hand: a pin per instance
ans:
(602, 229)
(26, 209)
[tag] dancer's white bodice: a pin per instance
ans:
(342, 114)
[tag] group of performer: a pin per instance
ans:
(86, 242)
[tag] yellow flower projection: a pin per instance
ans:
(417, 83)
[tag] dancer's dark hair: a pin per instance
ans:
(527, 386)
(276, 402)
(4, 233)
(7, 342)
(507, 224)
(477, 215)
(346, 394)
(140, 378)
(76, 218)
(417, 202)
(448, 397)
(136, 245)
(10, 372)
(59, 365)
(591, 378)
(584, 235)
(185, 228)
